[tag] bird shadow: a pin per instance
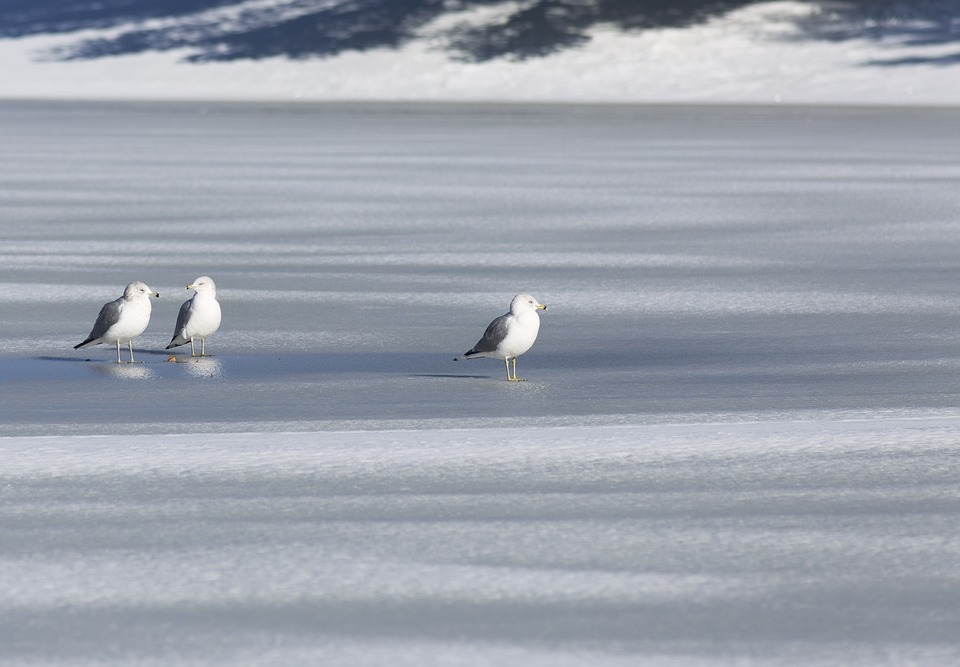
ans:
(450, 375)
(158, 353)
(52, 358)
(105, 359)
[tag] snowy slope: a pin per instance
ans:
(520, 50)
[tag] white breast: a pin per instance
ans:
(204, 317)
(522, 332)
(133, 320)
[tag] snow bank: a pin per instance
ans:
(758, 54)
(826, 543)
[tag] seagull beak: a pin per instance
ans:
(189, 287)
(156, 294)
(541, 306)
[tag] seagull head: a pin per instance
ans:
(138, 289)
(203, 284)
(524, 302)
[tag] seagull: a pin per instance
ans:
(510, 335)
(122, 320)
(199, 316)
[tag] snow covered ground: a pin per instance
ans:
(737, 444)
(763, 53)
(746, 544)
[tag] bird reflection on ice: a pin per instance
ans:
(126, 371)
(204, 367)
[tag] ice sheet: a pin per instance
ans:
(753, 261)
(754, 464)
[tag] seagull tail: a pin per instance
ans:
(89, 341)
(177, 340)
(467, 355)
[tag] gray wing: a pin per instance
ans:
(182, 318)
(109, 315)
(492, 337)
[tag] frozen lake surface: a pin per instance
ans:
(695, 261)
(737, 443)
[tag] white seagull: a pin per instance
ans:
(199, 316)
(510, 335)
(122, 320)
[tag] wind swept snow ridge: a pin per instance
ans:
(606, 51)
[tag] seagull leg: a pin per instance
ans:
(512, 378)
(118, 353)
(203, 344)
(193, 352)
(130, 345)
(515, 378)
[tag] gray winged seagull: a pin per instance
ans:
(199, 316)
(122, 320)
(510, 335)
